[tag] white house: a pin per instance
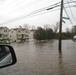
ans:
(31, 35)
(4, 34)
(19, 34)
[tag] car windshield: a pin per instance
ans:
(43, 35)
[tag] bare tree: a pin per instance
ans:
(26, 26)
(33, 27)
(46, 26)
(67, 30)
(20, 26)
(73, 30)
(56, 27)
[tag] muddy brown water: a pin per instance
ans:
(34, 58)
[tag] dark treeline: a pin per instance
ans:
(49, 34)
(42, 34)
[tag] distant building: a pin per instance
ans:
(4, 34)
(31, 35)
(19, 35)
(16, 34)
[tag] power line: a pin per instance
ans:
(32, 4)
(11, 4)
(68, 16)
(71, 11)
(56, 3)
(29, 5)
(34, 12)
(59, 3)
(23, 7)
(6, 7)
(46, 12)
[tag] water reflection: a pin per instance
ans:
(60, 59)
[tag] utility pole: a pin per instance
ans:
(60, 28)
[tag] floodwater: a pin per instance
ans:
(34, 58)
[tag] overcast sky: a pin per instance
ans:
(10, 10)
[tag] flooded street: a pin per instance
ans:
(34, 58)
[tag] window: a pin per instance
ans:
(5, 35)
(26, 31)
(0, 35)
(19, 31)
(10, 36)
(5, 30)
(11, 31)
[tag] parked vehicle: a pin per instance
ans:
(74, 38)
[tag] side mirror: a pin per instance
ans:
(7, 56)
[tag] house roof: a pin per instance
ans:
(3, 27)
(18, 29)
